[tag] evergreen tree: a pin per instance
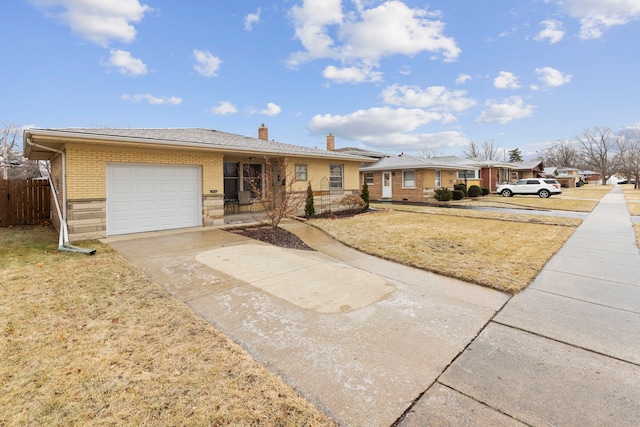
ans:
(309, 208)
(515, 155)
(365, 196)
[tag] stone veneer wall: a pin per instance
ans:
(212, 209)
(87, 219)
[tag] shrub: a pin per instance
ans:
(352, 202)
(485, 191)
(461, 187)
(309, 208)
(474, 191)
(365, 196)
(443, 194)
(458, 194)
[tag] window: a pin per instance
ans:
(368, 178)
(231, 181)
(470, 174)
(335, 176)
(301, 172)
(409, 179)
(252, 177)
(438, 179)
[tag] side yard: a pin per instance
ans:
(89, 339)
(632, 196)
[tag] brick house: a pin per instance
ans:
(409, 178)
(121, 181)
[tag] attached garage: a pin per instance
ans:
(143, 197)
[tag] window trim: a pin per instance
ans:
(404, 179)
(332, 179)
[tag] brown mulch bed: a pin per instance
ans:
(274, 236)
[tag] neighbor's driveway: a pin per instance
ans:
(360, 337)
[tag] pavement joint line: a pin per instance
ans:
(585, 301)
(563, 342)
(586, 277)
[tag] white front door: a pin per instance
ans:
(386, 185)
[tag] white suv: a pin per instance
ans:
(543, 187)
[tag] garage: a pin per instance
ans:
(152, 197)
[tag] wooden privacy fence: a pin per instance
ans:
(24, 202)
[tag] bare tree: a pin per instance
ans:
(596, 149)
(9, 135)
(277, 194)
(429, 152)
(490, 150)
(472, 151)
(628, 157)
(561, 154)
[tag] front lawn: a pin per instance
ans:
(91, 340)
(498, 253)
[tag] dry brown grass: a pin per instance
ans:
(632, 196)
(90, 340)
(637, 228)
(504, 255)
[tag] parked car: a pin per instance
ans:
(543, 187)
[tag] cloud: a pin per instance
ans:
(351, 74)
(362, 37)
(462, 79)
(510, 109)
(224, 108)
(436, 98)
(271, 110)
(97, 21)
(207, 64)
(552, 77)
(597, 16)
(506, 80)
(251, 19)
(553, 31)
(153, 100)
(125, 63)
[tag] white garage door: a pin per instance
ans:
(152, 197)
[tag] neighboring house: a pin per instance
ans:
(567, 177)
(120, 181)
(413, 179)
(532, 169)
(491, 173)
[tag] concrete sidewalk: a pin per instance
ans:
(565, 351)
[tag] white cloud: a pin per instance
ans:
(351, 74)
(224, 108)
(506, 80)
(271, 110)
(437, 98)
(125, 63)
(597, 16)
(552, 77)
(96, 20)
(207, 64)
(510, 109)
(251, 19)
(462, 79)
(153, 100)
(553, 31)
(364, 36)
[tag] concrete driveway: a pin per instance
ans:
(360, 337)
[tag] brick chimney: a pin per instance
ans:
(331, 142)
(263, 132)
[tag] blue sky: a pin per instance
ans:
(393, 76)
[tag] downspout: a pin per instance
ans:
(63, 241)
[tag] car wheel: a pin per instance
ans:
(506, 193)
(544, 194)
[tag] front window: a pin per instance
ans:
(368, 178)
(335, 176)
(469, 174)
(301, 172)
(409, 179)
(252, 179)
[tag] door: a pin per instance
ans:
(386, 185)
(152, 197)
